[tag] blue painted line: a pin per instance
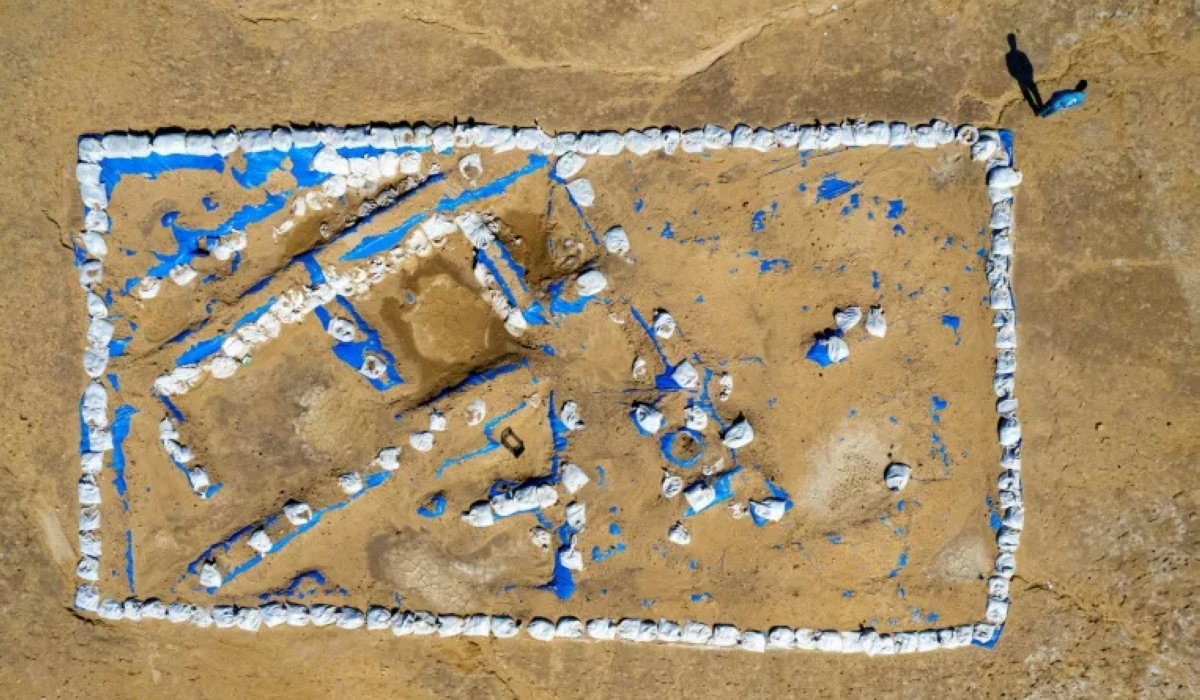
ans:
(353, 353)
(151, 166)
(491, 445)
(371, 482)
(481, 377)
(373, 245)
(188, 239)
(434, 508)
(649, 334)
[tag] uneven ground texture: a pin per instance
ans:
(1107, 276)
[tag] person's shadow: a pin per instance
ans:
(1021, 70)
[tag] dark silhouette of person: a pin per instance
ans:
(1021, 70)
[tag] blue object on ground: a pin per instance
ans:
(1063, 99)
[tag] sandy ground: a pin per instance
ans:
(1107, 278)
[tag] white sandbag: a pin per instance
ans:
(679, 534)
(669, 632)
(591, 283)
(1004, 177)
(1010, 499)
(90, 544)
(672, 485)
(504, 627)
(88, 569)
(573, 478)
(179, 613)
(1002, 244)
(998, 587)
(91, 462)
(829, 136)
(1006, 406)
(198, 479)
(664, 325)
(437, 421)
(1002, 215)
(475, 229)
(569, 165)
(475, 412)
(648, 418)
(89, 491)
(924, 137)
(616, 241)
(524, 498)
(699, 496)
(670, 140)
(149, 287)
(317, 615)
(836, 349)
(131, 609)
(1006, 565)
(601, 628)
(260, 541)
(223, 366)
(693, 141)
(210, 575)
(541, 629)
(780, 638)
(763, 140)
(89, 519)
(685, 375)
(388, 459)
(94, 196)
(1010, 431)
(611, 143)
(896, 476)
(96, 221)
(110, 610)
(637, 142)
(847, 318)
(807, 140)
(255, 140)
(771, 509)
(787, 135)
(540, 537)
(581, 192)
(569, 415)
(1001, 297)
(697, 633)
(628, 628)
(248, 619)
(169, 144)
(271, 614)
(753, 640)
(91, 272)
(351, 483)
(476, 626)
(479, 515)
(297, 513)
(349, 618)
(182, 275)
(299, 615)
(1014, 518)
(738, 435)
(695, 418)
(569, 628)
(639, 370)
(91, 150)
(876, 324)
(95, 361)
(997, 611)
(380, 618)
(576, 515)
(725, 636)
(95, 245)
(1008, 539)
(421, 441)
(742, 136)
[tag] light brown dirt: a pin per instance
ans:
(1106, 276)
